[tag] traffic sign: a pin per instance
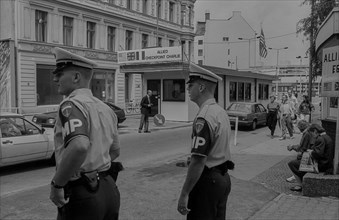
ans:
(159, 120)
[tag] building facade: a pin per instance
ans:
(227, 43)
(96, 29)
(291, 77)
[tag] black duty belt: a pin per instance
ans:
(217, 169)
(81, 180)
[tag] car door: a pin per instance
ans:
(263, 114)
(24, 143)
(257, 113)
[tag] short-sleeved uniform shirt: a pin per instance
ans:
(211, 134)
(82, 114)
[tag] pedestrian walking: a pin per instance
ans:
(86, 142)
(305, 109)
(292, 99)
(286, 111)
(272, 114)
(207, 185)
(146, 105)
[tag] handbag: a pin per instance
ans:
(308, 163)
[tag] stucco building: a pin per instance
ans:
(217, 42)
(96, 29)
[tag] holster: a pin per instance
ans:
(224, 167)
(91, 180)
(114, 170)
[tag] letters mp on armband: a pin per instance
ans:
(73, 121)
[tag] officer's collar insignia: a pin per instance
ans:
(66, 109)
(199, 125)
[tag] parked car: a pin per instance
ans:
(23, 141)
(249, 114)
(48, 119)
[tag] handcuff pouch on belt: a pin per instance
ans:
(224, 167)
(114, 170)
(91, 180)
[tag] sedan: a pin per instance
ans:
(23, 141)
(249, 114)
(48, 119)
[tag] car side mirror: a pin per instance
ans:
(43, 130)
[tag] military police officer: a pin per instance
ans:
(207, 185)
(86, 142)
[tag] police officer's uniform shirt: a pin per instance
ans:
(211, 134)
(82, 114)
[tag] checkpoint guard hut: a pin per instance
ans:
(165, 71)
(327, 49)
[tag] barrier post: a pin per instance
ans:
(235, 129)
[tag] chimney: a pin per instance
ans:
(207, 15)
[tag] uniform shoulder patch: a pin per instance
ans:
(199, 124)
(66, 109)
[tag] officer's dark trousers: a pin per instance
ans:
(143, 121)
(84, 205)
(207, 200)
(272, 121)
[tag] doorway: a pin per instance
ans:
(154, 85)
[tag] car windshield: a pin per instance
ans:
(241, 107)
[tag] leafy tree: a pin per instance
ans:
(309, 26)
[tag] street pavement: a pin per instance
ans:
(259, 189)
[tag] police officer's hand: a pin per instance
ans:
(182, 205)
(57, 197)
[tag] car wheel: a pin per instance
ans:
(254, 125)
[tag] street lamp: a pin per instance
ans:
(276, 73)
(301, 61)
(249, 47)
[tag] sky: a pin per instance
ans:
(278, 17)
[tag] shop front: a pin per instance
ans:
(35, 90)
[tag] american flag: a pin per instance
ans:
(262, 45)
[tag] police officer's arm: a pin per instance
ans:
(194, 172)
(76, 142)
(201, 146)
(74, 156)
(114, 150)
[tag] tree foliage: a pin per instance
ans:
(321, 10)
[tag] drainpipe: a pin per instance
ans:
(255, 90)
(16, 63)
(225, 96)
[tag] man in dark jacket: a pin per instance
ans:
(145, 111)
(321, 151)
